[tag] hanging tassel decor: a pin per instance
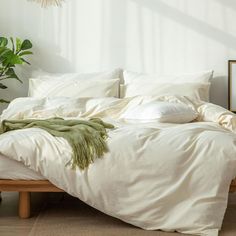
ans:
(46, 3)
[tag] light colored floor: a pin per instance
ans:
(59, 215)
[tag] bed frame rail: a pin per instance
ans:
(25, 187)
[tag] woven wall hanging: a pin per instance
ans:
(46, 3)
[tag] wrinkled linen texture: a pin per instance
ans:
(156, 175)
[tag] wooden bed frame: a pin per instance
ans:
(25, 187)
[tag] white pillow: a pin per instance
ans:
(42, 87)
(199, 77)
(106, 75)
(165, 112)
(196, 91)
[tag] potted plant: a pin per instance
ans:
(10, 56)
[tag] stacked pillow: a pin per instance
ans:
(195, 86)
(109, 84)
(101, 84)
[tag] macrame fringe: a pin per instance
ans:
(87, 138)
(46, 3)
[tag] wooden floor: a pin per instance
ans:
(9, 217)
(50, 211)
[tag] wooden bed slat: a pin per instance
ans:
(28, 186)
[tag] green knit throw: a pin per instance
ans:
(86, 137)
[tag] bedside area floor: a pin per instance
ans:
(62, 215)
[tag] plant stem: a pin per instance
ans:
(4, 70)
(3, 78)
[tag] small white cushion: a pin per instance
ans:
(165, 112)
(42, 87)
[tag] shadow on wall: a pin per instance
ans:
(114, 37)
(191, 22)
(16, 89)
(50, 61)
(219, 91)
(219, 85)
(228, 3)
(138, 35)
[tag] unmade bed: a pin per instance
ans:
(198, 155)
(171, 158)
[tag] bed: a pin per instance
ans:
(189, 141)
(15, 177)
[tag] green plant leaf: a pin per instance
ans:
(12, 59)
(12, 43)
(25, 53)
(25, 61)
(5, 55)
(12, 75)
(18, 44)
(3, 101)
(26, 45)
(10, 71)
(3, 52)
(3, 42)
(3, 49)
(4, 63)
(2, 86)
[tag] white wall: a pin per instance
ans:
(161, 36)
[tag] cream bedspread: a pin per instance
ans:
(156, 176)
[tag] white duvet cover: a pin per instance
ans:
(156, 175)
(15, 170)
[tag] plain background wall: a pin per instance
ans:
(156, 36)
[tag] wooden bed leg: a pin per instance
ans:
(24, 205)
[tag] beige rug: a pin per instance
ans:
(71, 217)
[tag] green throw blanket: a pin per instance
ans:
(86, 137)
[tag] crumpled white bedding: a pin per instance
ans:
(156, 175)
